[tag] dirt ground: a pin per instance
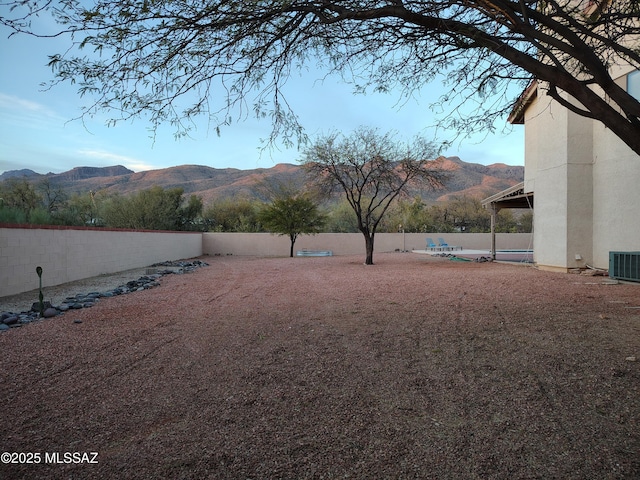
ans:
(323, 368)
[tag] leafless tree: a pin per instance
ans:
(54, 198)
(372, 170)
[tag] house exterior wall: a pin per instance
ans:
(616, 197)
(545, 175)
(585, 184)
(532, 145)
(579, 248)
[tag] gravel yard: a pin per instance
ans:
(293, 368)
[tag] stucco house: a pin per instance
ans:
(584, 180)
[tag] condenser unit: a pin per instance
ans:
(625, 266)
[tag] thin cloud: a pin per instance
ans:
(12, 102)
(28, 116)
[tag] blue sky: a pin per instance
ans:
(37, 130)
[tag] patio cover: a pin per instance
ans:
(512, 197)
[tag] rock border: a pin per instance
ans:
(9, 320)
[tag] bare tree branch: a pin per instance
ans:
(172, 60)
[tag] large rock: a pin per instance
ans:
(50, 312)
(10, 320)
(35, 307)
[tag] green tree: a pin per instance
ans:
(409, 215)
(525, 223)
(19, 199)
(292, 215)
(83, 209)
(442, 219)
(41, 216)
(341, 218)
(371, 170)
(154, 56)
(19, 193)
(468, 215)
(233, 215)
(11, 214)
(151, 209)
(514, 221)
(190, 216)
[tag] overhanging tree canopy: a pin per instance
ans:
(146, 55)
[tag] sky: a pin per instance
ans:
(38, 130)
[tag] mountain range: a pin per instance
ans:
(464, 179)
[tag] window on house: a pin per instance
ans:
(633, 84)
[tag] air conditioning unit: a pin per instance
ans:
(625, 266)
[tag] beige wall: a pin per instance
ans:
(66, 255)
(546, 172)
(585, 185)
(265, 244)
(560, 167)
(616, 191)
(616, 197)
(579, 249)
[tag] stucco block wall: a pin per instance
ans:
(66, 255)
(265, 244)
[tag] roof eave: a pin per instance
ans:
(516, 117)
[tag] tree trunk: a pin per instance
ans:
(368, 241)
(293, 241)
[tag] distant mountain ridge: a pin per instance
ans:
(81, 173)
(25, 172)
(470, 179)
(77, 173)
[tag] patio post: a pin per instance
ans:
(494, 213)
